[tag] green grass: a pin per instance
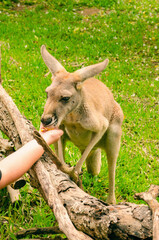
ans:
(126, 32)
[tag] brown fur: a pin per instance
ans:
(91, 118)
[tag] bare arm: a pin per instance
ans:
(16, 164)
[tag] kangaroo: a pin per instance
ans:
(88, 114)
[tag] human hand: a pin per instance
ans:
(51, 136)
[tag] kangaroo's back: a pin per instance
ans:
(99, 97)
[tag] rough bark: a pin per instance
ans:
(88, 214)
(150, 198)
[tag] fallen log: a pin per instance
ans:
(93, 218)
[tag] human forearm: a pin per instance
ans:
(16, 164)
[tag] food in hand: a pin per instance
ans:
(45, 129)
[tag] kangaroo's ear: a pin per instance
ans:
(79, 85)
(92, 70)
(51, 62)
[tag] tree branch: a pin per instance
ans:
(150, 198)
(56, 205)
(6, 147)
(60, 165)
(37, 231)
(14, 194)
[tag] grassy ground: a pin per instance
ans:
(79, 33)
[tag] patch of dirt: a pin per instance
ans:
(89, 11)
(22, 6)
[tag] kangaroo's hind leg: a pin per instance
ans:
(93, 162)
(112, 150)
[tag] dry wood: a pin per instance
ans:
(94, 217)
(37, 231)
(14, 194)
(60, 165)
(18, 183)
(63, 167)
(5, 145)
(88, 214)
(56, 204)
(150, 198)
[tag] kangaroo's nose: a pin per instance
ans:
(46, 121)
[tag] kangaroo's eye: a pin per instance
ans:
(64, 99)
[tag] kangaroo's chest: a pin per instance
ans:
(78, 135)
